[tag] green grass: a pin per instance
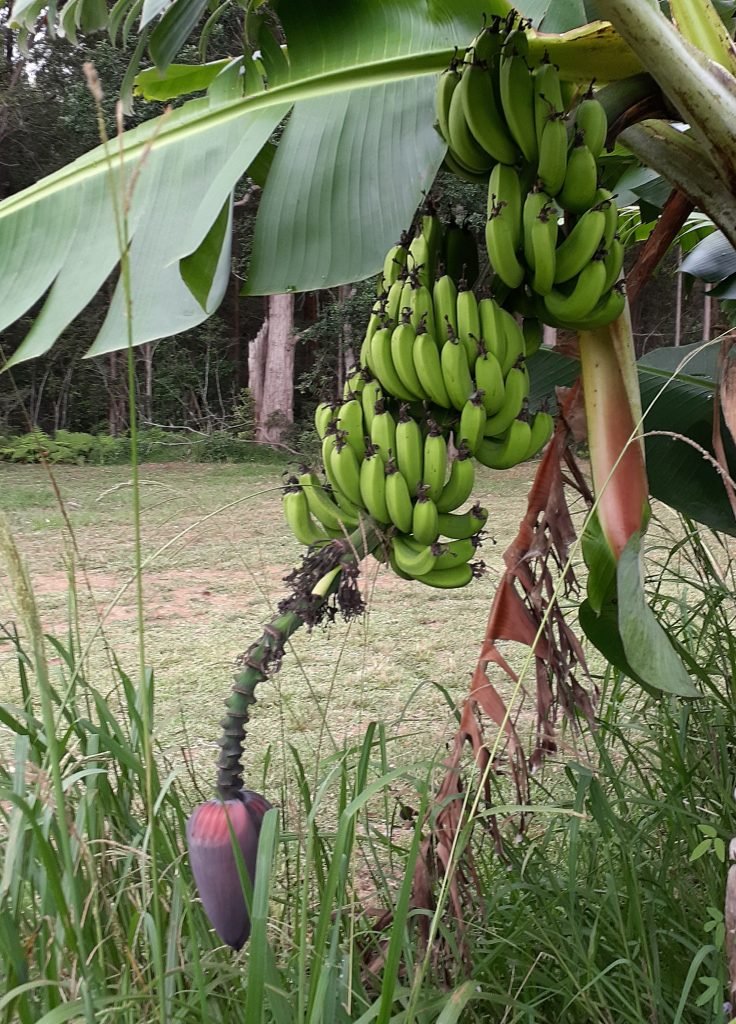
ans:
(602, 912)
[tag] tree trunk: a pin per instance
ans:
(272, 359)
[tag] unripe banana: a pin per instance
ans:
(490, 381)
(491, 328)
(425, 519)
(382, 366)
(448, 82)
(536, 201)
(584, 296)
(580, 246)
(581, 179)
(449, 579)
(428, 365)
(445, 307)
(376, 320)
(592, 123)
(393, 301)
(460, 254)
(461, 525)
(324, 414)
(517, 389)
(346, 469)
(468, 322)
(373, 485)
(510, 450)
(395, 565)
(459, 487)
(552, 167)
(435, 462)
(371, 393)
(323, 508)
(402, 356)
(393, 264)
(455, 553)
(614, 262)
(533, 332)
(517, 94)
(484, 114)
(504, 224)
(605, 201)
(383, 431)
(544, 255)
(454, 166)
(422, 309)
(398, 500)
(548, 103)
(413, 562)
(609, 308)
(542, 427)
(300, 522)
(409, 450)
(461, 141)
(350, 423)
(328, 448)
(513, 339)
(456, 372)
(419, 257)
(472, 421)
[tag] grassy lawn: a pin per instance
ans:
(216, 549)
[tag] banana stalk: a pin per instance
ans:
(700, 23)
(320, 576)
(613, 411)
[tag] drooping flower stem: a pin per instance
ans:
(613, 412)
(322, 586)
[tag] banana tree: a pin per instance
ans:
(352, 93)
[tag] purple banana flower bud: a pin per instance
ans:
(214, 863)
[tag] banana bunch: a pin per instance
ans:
(551, 230)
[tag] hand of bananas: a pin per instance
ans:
(551, 231)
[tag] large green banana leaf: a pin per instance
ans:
(357, 152)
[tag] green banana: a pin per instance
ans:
(414, 563)
(549, 122)
(300, 522)
(324, 414)
(428, 365)
(371, 393)
(544, 253)
(517, 94)
(373, 485)
(383, 431)
(533, 332)
(472, 421)
(328, 446)
(409, 450)
(462, 141)
(513, 339)
(581, 179)
(435, 462)
(459, 487)
(614, 262)
(491, 328)
(456, 372)
(382, 366)
(592, 122)
(610, 307)
(393, 301)
(350, 423)
(489, 380)
(584, 296)
(605, 201)
(510, 450)
(444, 297)
(460, 254)
(419, 259)
(448, 83)
(517, 389)
(449, 579)
(323, 508)
(402, 356)
(580, 246)
(421, 308)
(346, 469)
(542, 426)
(396, 568)
(483, 113)
(425, 518)
(376, 320)
(455, 553)
(393, 264)
(398, 500)
(548, 102)
(468, 322)
(504, 224)
(535, 202)
(453, 165)
(461, 525)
